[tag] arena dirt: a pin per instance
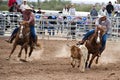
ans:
(52, 62)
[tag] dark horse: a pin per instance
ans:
(93, 44)
(23, 39)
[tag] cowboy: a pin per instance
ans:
(29, 17)
(102, 21)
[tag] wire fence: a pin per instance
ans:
(57, 25)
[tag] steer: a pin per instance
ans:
(79, 54)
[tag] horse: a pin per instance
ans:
(24, 39)
(93, 44)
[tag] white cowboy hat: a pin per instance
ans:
(28, 8)
(25, 0)
(103, 15)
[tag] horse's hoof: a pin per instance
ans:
(18, 59)
(82, 71)
(72, 65)
(23, 60)
(96, 62)
(99, 55)
(7, 58)
(29, 60)
(87, 68)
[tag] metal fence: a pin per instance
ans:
(8, 21)
(57, 25)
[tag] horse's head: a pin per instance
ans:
(24, 23)
(24, 28)
(99, 32)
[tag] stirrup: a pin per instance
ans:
(80, 43)
(8, 41)
(34, 46)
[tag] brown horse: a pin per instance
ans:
(93, 44)
(23, 39)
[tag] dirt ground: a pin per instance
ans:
(52, 62)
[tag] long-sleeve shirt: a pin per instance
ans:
(93, 12)
(102, 12)
(29, 17)
(10, 2)
(72, 11)
(109, 8)
(106, 24)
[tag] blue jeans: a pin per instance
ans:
(32, 31)
(15, 31)
(109, 14)
(104, 38)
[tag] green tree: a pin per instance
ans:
(38, 3)
(118, 1)
(3, 5)
(52, 5)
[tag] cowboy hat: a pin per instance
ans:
(102, 15)
(25, 0)
(28, 8)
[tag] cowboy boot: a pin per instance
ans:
(81, 42)
(10, 40)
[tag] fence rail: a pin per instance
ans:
(62, 26)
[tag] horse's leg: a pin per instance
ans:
(31, 50)
(26, 48)
(14, 47)
(79, 61)
(93, 56)
(99, 54)
(19, 55)
(97, 60)
(86, 63)
(73, 62)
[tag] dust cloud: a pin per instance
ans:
(63, 52)
(108, 59)
(36, 54)
(111, 54)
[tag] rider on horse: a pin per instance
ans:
(29, 17)
(101, 21)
